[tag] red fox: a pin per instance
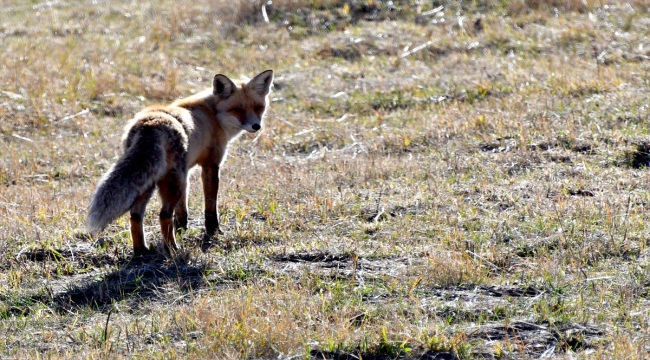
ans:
(162, 143)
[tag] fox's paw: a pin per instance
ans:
(212, 224)
(173, 249)
(180, 223)
(213, 231)
(143, 251)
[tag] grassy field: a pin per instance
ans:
(434, 180)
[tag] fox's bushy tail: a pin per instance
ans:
(141, 166)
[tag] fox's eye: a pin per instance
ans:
(238, 111)
(259, 108)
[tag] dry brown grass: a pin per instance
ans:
(422, 188)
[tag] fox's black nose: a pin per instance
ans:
(256, 127)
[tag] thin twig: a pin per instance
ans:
(483, 259)
(416, 49)
(22, 138)
(433, 11)
(264, 15)
(108, 318)
(82, 112)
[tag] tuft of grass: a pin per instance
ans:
(638, 157)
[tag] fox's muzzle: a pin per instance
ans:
(256, 127)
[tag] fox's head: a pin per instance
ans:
(242, 107)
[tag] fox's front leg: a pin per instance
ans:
(210, 177)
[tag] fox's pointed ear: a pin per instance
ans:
(222, 86)
(262, 82)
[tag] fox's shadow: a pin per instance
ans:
(134, 281)
(128, 280)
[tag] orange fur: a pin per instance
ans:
(162, 143)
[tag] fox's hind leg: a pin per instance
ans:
(180, 213)
(171, 188)
(137, 230)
